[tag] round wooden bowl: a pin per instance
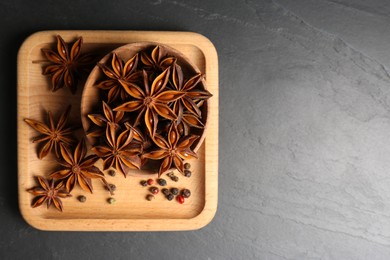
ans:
(91, 100)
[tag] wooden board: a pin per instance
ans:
(131, 211)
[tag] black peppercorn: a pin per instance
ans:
(144, 183)
(186, 193)
(112, 187)
(111, 173)
(187, 173)
(82, 198)
(175, 191)
(162, 182)
(175, 178)
(165, 191)
(170, 197)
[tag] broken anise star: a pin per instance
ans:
(157, 61)
(67, 64)
(109, 117)
(152, 101)
(173, 151)
(119, 73)
(119, 152)
(53, 135)
(77, 168)
(48, 192)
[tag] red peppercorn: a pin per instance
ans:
(150, 181)
(180, 199)
(154, 190)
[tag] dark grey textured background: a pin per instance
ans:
(304, 129)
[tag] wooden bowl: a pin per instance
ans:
(91, 101)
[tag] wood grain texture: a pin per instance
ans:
(131, 212)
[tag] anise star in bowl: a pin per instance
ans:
(191, 93)
(77, 168)
(120, 152)
(48, 192)
(152, 101)
(118, 73)
(53, 135)
(67, 64)
(172, 151)
(157, 61)
(109, 117)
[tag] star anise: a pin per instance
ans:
(67, 64)
(119, 152)
(53, 135)
(78, 168)
(152, 101)
(49, 192)
(191, 93)
(173, 150)
(119, 73)
(157, 61)
(110, 117)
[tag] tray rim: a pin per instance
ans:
(109, 224)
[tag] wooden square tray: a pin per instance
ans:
(131, 211)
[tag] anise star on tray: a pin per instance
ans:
(67, 64)
(53, 135)
(173, 150)
(119, 73)
(49, 192)
(119, 152)
(78, 168)
(152, 101)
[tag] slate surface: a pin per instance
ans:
(304, 129)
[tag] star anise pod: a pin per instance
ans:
(53, 135)
(191, 95)
(173, 150)
(157, 61)
(67, 64)
(119, 73)
(78, 168)
(109, 117)
(49, 192)
(152, 101)
(119, 152)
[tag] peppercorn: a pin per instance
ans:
(82, 198)
(175, 191)
(111, 173)
(187, 173)
(111, 200)
(180, 199)
(162, 182)
(165, 191)
(170, 196)
(150, 181)
(187, 166)
(154, 190)
(112, 187)
(175, 178)
(144, 183)
(149, 197)
(186, 193)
